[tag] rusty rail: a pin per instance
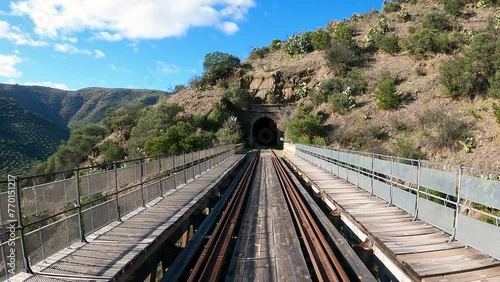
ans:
(211, 261)
(326, 265)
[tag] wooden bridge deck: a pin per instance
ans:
(111, 248)
(268, 248)
(420, 251)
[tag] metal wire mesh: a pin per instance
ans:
(130, 200)
(52, 238)
(151, 168)
(44, 197)
(97, 183)
(129, 175)
(167, 164)
(99, 215)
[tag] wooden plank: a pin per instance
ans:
(402, 249)
(487, 274)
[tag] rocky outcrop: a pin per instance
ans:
(280, 83)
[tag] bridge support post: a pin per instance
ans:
(185, 237)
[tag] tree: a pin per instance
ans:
(218, 65)
(179, 137)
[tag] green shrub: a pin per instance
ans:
(276, 45)
(303, 139)
(389, 44)
(217, 116)
(436, 20)
(423, 41)
(420, 71)
(240, 98)
(390, 7)
(218, 65)
(342, 57)
(259, 52)
(317, 97)
(180, 137)
(404, 16)
(442, 129)
(453, 7)
(494, 90)
(308, 125)
(343, 102)
(386, 96)
(274, 98)
(111, 151)
(299, 44)
(230, 133)
(375, 34)
(320, 39)
(342, 32)
(406, 149)
(475, 71)
(496, 111)
(318, 140)
(361, 136)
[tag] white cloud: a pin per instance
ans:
(104, 35)
(229, 28)
(99, 54)
(7, 66)
(167, 68)
(113, 20)
(49, 84)
(134, 46)
(113, 67)
(71, 49)
(14, 34)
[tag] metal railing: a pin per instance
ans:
(43, 214)
(461, 201)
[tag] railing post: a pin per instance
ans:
(20, 226)
(184, 167)
(392, 181)
(142, 183)
(159, 173)
(419, 176)
(79, 207)
(373, 174)
(117, 199)
(457, 204)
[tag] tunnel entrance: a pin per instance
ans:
(265, 133)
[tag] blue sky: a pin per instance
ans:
(153, 44)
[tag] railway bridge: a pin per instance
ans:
(305, 213)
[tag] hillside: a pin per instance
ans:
(34, 119)
(25, 138)
(408, 43)
(419, 80)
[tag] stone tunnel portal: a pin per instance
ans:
(265, 133)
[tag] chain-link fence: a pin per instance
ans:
(41, 215)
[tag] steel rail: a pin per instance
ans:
(211, 261)
(325, 264)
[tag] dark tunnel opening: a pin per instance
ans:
(265, 133)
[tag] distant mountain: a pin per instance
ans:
(75, 108)
(34, 119)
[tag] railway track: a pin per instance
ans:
(212, 262)
(326, 265)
